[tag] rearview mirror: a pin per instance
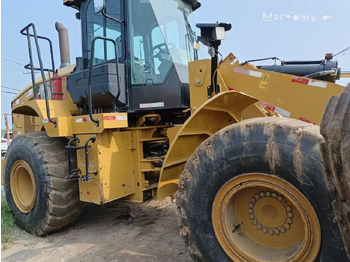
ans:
(99, 5)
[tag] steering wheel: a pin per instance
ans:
(147, 68)
(161, 51)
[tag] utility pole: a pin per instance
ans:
(7, 129)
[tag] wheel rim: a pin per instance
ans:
(275, 223)
(23, 187)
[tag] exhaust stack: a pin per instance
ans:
(64, 44)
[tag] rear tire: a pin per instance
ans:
(280, 152)
(42, 200)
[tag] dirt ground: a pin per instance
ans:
(117, 231)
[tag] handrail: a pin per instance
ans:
(70, 147)
(86, 178)
(25, 31)
(92, 57)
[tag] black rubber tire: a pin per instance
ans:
(335, 128)
(263, 145)
(57, 201)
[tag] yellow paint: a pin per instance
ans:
(23, 124)
(79, 126)
(301, 100)
(67, 125)
(172, 133)
(23, 186)
(199, 72)
(276, 222)
(38, 108)
(113, 158)
(63, 128)
(222, 110)
(287, 78)
(345, 75)
(122, 169)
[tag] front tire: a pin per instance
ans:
(42, 200)
(255, 191)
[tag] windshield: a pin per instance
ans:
(176, 22)
(161, 37)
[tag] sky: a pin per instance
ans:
(289, 30)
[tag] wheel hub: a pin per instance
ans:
(260, 217)
(23, 187)
(270, 213)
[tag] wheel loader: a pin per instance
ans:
(139, 116)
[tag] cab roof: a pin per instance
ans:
(73, 3)
(76, 3)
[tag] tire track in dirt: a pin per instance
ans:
(118, 231)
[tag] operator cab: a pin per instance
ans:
(154, 44)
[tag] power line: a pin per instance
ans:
(13, 68)
(8, 92)
(11, 64)
(11, 88)
(342, 51)
(10, 61)
(3, 54)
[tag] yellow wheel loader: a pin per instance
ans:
(140, 116)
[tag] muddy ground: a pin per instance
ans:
(117, 231)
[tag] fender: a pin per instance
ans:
(220, 111)
(24, 104)
(37, 107)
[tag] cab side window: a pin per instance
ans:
(98, 25)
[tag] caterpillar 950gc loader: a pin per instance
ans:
(140, 116)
